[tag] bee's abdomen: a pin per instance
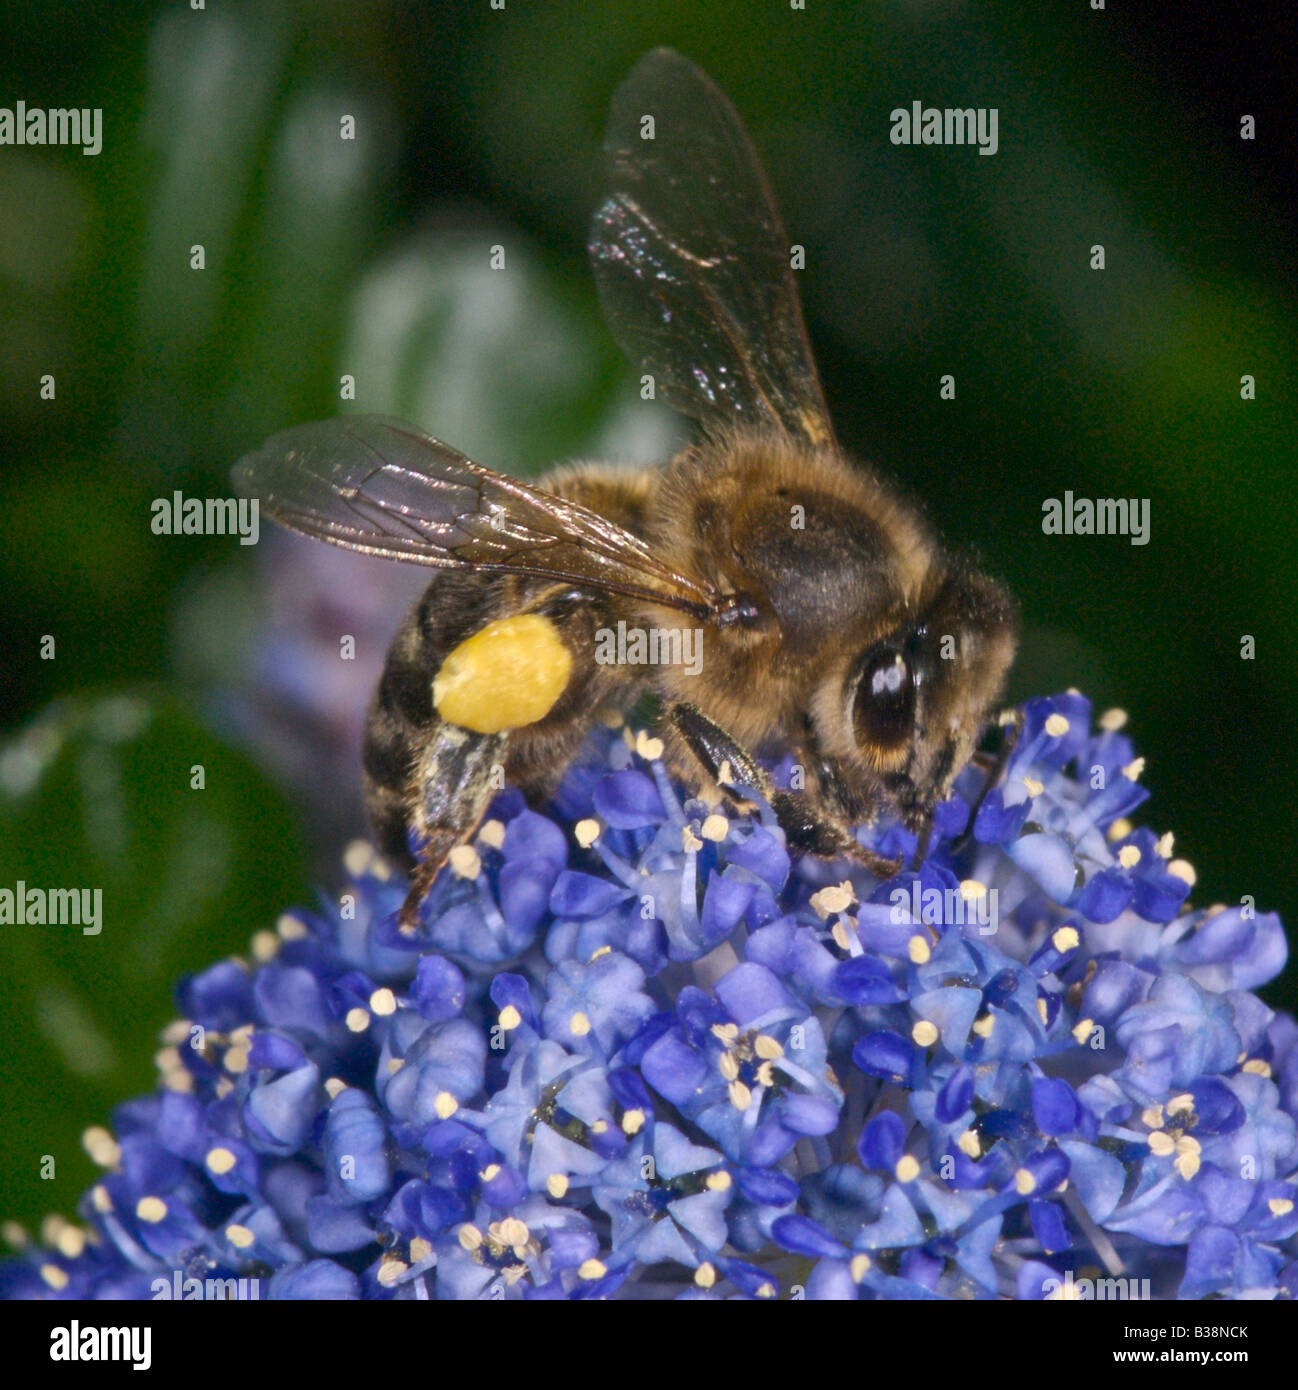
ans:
(398, 721)
(402, 717)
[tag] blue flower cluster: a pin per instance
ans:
(639, 1049)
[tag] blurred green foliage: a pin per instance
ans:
(125, 795)
(477, 127)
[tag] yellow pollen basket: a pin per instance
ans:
(506, 676)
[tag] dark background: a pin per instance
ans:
(478, 127)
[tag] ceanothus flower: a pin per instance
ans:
(637, 1048)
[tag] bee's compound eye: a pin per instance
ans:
(884, 711)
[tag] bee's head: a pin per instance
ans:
(916, 698)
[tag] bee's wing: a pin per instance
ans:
(375, 485)
(692, 261)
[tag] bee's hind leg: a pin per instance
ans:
(732, 767)
(452, 787)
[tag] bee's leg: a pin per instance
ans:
(454, 782)
(1013, 727)
(402, 718)
(733, 767)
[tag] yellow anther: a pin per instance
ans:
(586, 831)
(465, 862)
(716, 827)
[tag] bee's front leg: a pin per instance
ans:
(455, 779)
(1011, 722)
(806, 827)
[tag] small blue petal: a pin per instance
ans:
(219, 998)
(866, 980)
(956, 1095)
(320, 1279)
(271, 1051)
(290, 997)
(673, 1068)
(763, 855)
(628, 800)
(280, 1113)
(885, 1054)
(355, 1147)
(1048, 861)
(808, 1114)
(335, 1229)
(1048, 1226)
(883, 1141)
(583, 895)
(803, 1236)
(525, 893)
(751, 992)
(533, 837)
(724, 903)
(1054, 1106)
(765, 1187)
(1106, 894)
(439, 988)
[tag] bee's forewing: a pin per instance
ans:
(692, 262)
(376, 485)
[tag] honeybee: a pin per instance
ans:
(831, 622)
